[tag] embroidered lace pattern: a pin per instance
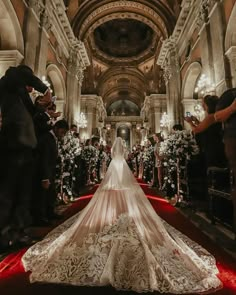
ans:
(120, 257)
(119, 240)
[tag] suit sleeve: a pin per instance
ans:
(44, 152)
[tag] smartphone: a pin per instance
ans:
(188, 114)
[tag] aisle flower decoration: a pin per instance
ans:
(68, 149)
(175, 150)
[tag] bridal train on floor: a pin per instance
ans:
(119, 240)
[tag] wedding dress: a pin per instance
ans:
(119, 240)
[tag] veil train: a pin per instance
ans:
(119, 240)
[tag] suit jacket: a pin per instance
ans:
(17, 108)
(47, 156)
(42, 123)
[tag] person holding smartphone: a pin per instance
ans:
(209, 133)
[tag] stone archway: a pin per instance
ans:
(189, 83)
(11, 38)
(190, 78)
(230, 45)
(58, 84)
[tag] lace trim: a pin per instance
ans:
(120, 257)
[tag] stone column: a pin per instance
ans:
(42, 49)
(172, 79)
(90, 116)
(36, 37)
(158, 106)
(205, 41)
(217, 40)
(88, 107)
(74, 81)
(231, 55)
(32, 32)
(133, 137)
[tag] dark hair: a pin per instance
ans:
(159, 136)
(88, 141)
(76, 134)
(72, 126)
(226, 99)
(61, 124)
(177, 127)
(24, 69)
(211, 102)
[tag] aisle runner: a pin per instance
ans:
(13, 279)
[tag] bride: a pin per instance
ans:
(119, 240)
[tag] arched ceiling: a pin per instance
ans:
(123, 39)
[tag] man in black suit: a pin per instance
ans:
(17, 143)
(47, 156)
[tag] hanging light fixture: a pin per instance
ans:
(204, 85)
(165, 120)
(82, 121)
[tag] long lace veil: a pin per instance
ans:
(117, 149)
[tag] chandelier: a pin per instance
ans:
(204, 85)
(82, 121)
(165, 120)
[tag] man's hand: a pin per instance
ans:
(48, 96)
(56, 115)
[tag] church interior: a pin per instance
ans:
(135, 69)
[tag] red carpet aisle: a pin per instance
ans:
(14, 281)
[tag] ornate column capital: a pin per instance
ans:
(37, 6)
(205, 9)
(45, 21)
(80, 75)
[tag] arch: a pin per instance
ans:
(124, 15)
(230, 37)
(11, 37)
(93, 17)
(58, 82)
(190, 78)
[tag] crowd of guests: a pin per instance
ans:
(29, 137)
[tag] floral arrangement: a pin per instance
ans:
(148, 163)
(90, 157)
(175, 150)
(68, 149)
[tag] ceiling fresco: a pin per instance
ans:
(123, 40)
(123, 37)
